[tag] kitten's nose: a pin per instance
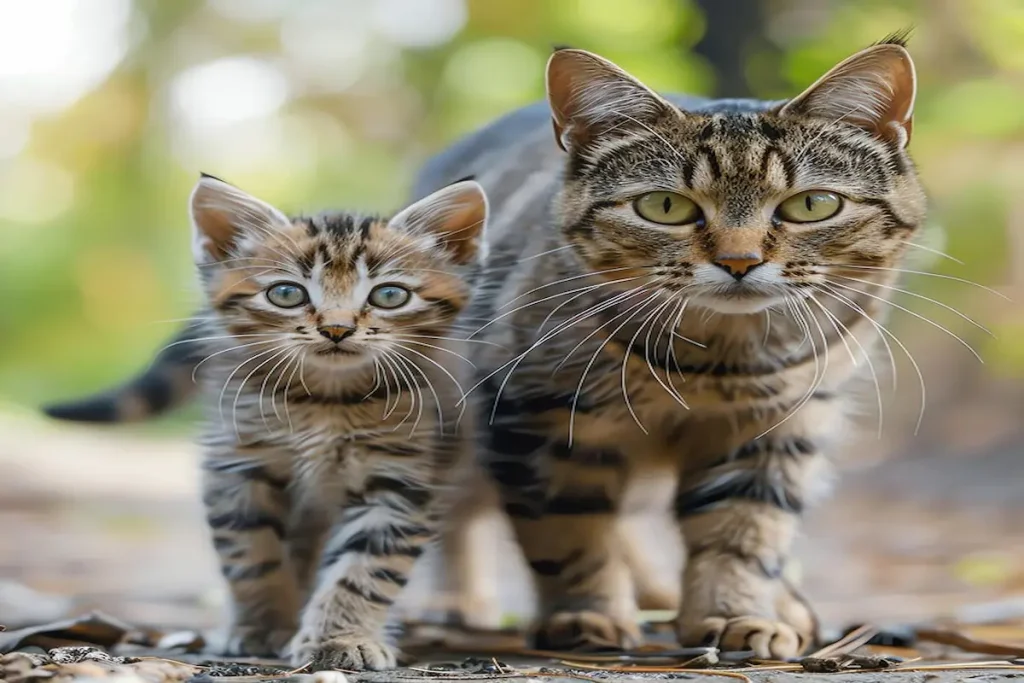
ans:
(738, 265)
(336, 332)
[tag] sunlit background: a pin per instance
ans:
(110, 108)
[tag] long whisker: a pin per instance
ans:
(195, 368)
(884, 331)
(281, 351)
(817, 379)
(405, 338)
(922, 297)
(263, 387)
(434, 363)
(940, 276)
(935, 251)
(846, 331)
(913, 313)
(227, 382)
(549, 298)
(634, 309)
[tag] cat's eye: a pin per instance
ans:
(287, 295)
(389, 296)
(667, 208)
(810, 207)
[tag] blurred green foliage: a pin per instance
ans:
(94, 256)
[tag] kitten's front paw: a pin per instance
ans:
(347, 651)
(249, 641)
(767, 638)
(586, 631)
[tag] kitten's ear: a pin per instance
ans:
(874, 90)
(455, 215)
(590, 96)
(222, 214)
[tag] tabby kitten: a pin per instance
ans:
(332, 378)
(682, 289)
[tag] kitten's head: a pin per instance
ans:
(339, 289)
(740, 204)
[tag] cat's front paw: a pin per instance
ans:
(585, 630)
(249, 641)
(768, 639)
(352, 651)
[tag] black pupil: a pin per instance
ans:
(809, 201)
(666, 204)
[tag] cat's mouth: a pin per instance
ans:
(336, 351)
(740, 298)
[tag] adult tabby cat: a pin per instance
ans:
(681, 289)
(333, 378)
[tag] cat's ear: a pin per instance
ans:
(456, 216)
(874, 90)
(591, 97)
(222, 215)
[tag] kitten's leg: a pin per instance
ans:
(246, 508)
(366, 561)
(565, 523)
(739, 519)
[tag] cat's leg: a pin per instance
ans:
(657, 587)
(563, 504)
(739, 518)
(468, 554)
(246, 504)
(366, 561)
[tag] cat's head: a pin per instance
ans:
(742, 204)
(337, 289)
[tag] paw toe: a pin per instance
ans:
(585, 631)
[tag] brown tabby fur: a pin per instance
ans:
(323, 457)
(624, 354)
(618, 356)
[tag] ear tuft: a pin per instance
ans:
(456, 215)
(591, 97)
(221, 214)
(873, 90)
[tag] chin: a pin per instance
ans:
(338, 358)
(746, 304)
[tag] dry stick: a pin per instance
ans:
(965, 642)
(851, 641)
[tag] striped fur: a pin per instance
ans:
(624, 354)
(616, 354)
(332, 424)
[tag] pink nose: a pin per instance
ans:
(738, 265)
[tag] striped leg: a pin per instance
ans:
(246, 508)
(566, 526)
(739, 519)
(366, 561)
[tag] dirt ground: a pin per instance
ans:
(108, 519)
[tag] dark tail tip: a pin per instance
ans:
(97, 411)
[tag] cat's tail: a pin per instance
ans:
(166, 384)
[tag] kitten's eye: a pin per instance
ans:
(287, 295)
(667, 208)
(810, 207)
(389, 296)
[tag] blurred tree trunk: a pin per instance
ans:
(733, 29)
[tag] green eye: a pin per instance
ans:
(389, 296)
(287, 295)
(667, 208)
(810, 207)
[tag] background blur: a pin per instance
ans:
(110, 108)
